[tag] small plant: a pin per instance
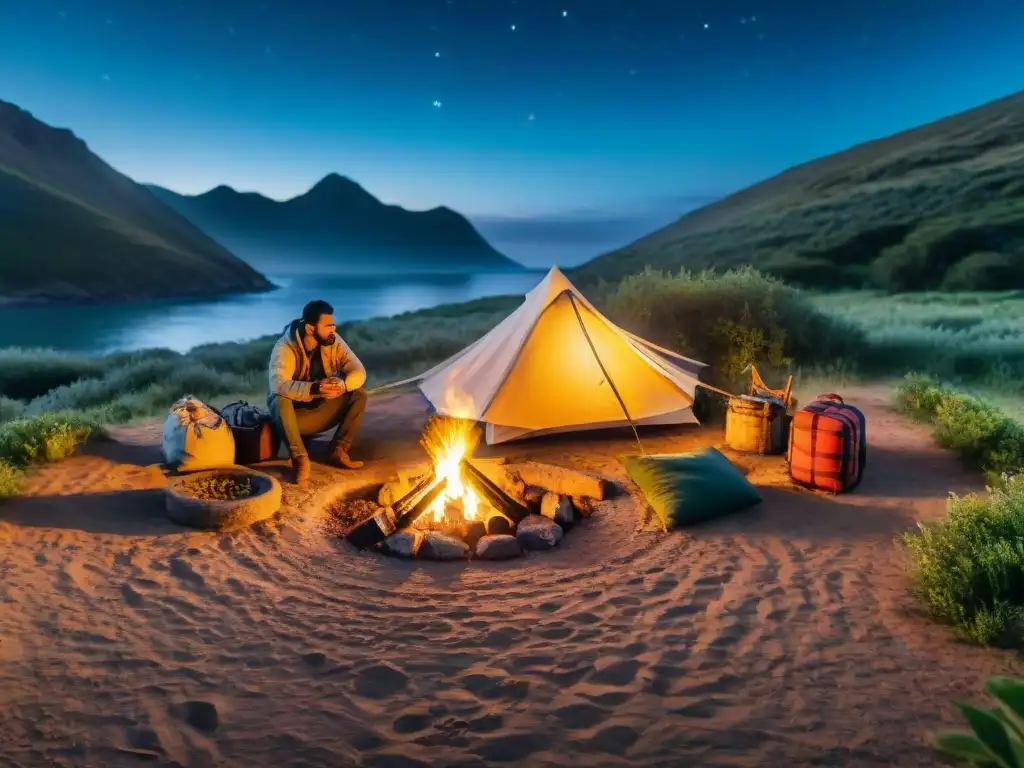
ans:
(10, 480)
(997, 740)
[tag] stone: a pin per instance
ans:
(537, 532)
(473, 531)
(558, 508)
(442, 546)
(584, 506)
(404, 543)
(500, 547)
(499, 524)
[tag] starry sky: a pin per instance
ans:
(568, 126)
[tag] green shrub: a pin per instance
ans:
(730, 320)
(978, 431)
(10, 409)
(997, 740)
(969, 568)
(29, 373)
(10, 480)
(46, 438)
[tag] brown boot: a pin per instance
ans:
(339, 458)
(301, 469)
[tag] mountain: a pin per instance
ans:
(337, 225)
(73, 228)
(939, 207)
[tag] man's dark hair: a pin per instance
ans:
(312, 312)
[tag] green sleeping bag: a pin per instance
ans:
(686, 488)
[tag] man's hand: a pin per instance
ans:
(332, 387)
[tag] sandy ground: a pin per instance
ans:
(779, 636)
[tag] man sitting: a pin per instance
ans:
(315, 384)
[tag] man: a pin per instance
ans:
(315, 384)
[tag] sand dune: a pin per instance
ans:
(782, 636)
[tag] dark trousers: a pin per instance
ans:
(297, 420)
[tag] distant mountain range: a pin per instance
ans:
(940, 207)
(337, 225)
(73, 228)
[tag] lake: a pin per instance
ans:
(181, 325)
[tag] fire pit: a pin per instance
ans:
(460, 507)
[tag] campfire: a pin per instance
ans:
(463, 505)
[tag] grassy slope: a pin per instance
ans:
(940, 207)
(62, 208)
(55, 246)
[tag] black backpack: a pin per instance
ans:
(256, 439)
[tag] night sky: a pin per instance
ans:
(575, 124)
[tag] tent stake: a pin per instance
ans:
(572, 300)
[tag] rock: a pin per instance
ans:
(442, 546)
(558, 508)
(202, 715)
(500, 547)
(584, 506)
(473, 531)
(537, 532)
(533, 497)
(405, 543)
(498, 525)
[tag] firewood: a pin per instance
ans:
(494, 495)
(561, 480)
(406, 502)
(410, 515)
(495, 471)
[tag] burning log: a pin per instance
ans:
(561, 480)
(411, 512)
(408, 501)
(496, 497)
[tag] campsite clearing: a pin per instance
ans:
(784, 635)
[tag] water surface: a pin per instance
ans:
(181, 325)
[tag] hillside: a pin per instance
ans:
(74, 229)
(337, 225)
(939, 207)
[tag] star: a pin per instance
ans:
(106, 78)
(513, 27)
(231, 30)
(632, 71)
(564, 14)
(531, 117)
(707, 26)
(63, 14)
(437, 54)
(437, 104)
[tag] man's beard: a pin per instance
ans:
(324, 341)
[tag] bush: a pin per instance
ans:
(978, 431)
(29, 373)
(730, 320)
(969, 569)
(10, 480)
(10, 409)
(47, 438)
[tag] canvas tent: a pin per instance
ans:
(556, 364)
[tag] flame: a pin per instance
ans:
(447, 441)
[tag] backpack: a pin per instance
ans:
(196, 437)
(256, 439)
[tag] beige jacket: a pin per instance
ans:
(289, 366)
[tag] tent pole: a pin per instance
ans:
(579, 317)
